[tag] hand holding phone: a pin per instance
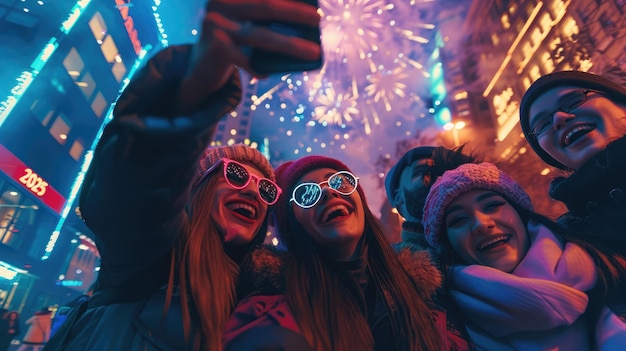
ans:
(266, 62)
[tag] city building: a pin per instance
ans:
(64, 64)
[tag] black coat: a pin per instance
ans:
(595, 194)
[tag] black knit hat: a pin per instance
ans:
(392, 180)
(584, 80)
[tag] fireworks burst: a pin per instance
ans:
(372, 53)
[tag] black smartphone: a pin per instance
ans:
(267, 62)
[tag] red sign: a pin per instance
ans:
(129, 24)
(30, 180)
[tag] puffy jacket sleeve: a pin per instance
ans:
(136, 189)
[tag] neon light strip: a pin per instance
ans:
(78, 182)
(18, 91)
(157, 19)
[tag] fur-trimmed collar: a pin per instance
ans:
(266, 270)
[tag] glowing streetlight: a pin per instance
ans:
(455, 127)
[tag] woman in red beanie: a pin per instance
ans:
(341, 286)
(520, 281)
(171, 229)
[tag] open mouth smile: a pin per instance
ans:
(493, 242)
(335, 212)
(243, 209)
(574, 134)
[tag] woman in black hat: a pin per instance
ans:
(576, 121)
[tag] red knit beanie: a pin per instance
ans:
(464, 178)
(287, 176)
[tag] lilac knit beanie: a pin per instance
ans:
(464, 178)
(238, 152)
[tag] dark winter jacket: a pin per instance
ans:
(266, 311)
(138, 211)
(595, 194)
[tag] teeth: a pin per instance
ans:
(242, 206)
(342, 208)
(567, 139)
(492, 241)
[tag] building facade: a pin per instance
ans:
(507, 45)
(64, 64)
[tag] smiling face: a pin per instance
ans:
(337, 221)
(576, 136)
(484, 228)
(238, 214)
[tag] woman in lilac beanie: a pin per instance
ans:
(520, 281)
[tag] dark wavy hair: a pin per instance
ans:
(328, 303)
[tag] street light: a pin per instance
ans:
(455, 127)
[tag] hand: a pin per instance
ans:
(228, 32)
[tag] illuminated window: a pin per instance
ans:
(512, 8)
(74, 64)
(505, 21)
(119, 71)
(98, 27)
(526, 82)
(536, 37)
(527, 50)
(43, 111)
(545, 22)
(495, 39)
(77, 150)
(98, 105)
(87, 85)
(570, 27)
(61, 128)
(535, 73)
(109, 49)
(548, 64)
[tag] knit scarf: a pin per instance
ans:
(544, 294)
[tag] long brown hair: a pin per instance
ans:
(204, 273)
(323, 301)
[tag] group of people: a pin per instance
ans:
(180, 226)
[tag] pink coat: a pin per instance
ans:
(38, 328)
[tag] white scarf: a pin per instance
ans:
(539, 304)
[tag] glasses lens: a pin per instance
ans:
(307, 194)
(268, 191)
(574, 101)
(237, 175)
(343, 182)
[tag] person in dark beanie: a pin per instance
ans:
(173, 223)
(343, 286)
(576, 121)
(519, 279)
(407, 183)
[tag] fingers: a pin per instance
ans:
(229, 31)
(290, 11)
(262, 37)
